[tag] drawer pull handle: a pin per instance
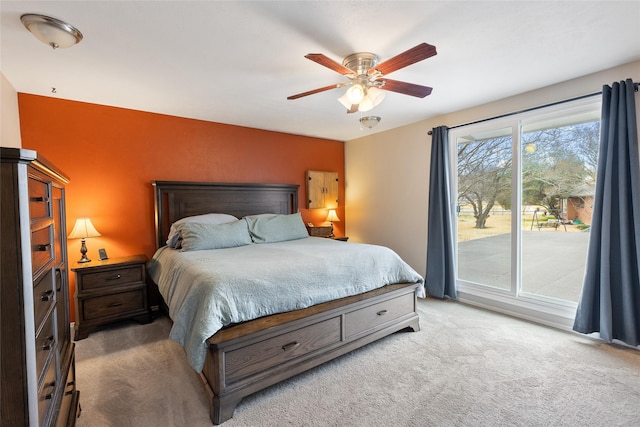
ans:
(49, 396)
(69, 392)
(46, 296)
(115, 304)
(59, 272)
(116, 277)
(40, 199)
(382, 312)
(43, 248)
(290, 346)
(47, 345)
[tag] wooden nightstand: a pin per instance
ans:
(342, 239)
(108, 291)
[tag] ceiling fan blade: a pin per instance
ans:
(405, 88)
(329, 63)
(322, 89)
(353, 108)
(411, 56)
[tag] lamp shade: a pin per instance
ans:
(332, 216)
(83, 229)
(51, 31)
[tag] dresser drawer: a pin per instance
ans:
(268, 353)
(45, 343)
(47, 390)
(112, 277)
(374, 315)
(39, 199)
(41, 247)
(113, 304)
(67, 398)
(43, 296)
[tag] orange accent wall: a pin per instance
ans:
(112, 155)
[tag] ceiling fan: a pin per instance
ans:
(367, 77)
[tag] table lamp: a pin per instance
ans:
(81, 230)
(331, 217)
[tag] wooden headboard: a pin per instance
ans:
(179, 199)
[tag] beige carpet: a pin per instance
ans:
(466, 367)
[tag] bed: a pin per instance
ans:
(246, 356)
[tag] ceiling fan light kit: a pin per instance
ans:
(367, 82)
(51, 31)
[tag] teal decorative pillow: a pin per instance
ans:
(197, 237)
(271, 228)
(174, 239)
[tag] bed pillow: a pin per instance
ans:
(271, 228)
(173, 241)
(197, 236)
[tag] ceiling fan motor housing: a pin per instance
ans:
(361, 62)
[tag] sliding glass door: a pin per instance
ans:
(484, 226)
(559, 159)
(524, 188)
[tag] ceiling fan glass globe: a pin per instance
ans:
(355, 94)
(373, 98)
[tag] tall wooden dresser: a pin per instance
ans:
(37, 363)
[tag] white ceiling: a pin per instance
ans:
(236, 62)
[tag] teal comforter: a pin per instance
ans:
(209, 289)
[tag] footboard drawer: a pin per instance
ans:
(368, 318)
(263, 355)
(250, 356)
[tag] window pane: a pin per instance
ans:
(559, 161)
(484, 203)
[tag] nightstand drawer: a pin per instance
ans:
(114, 304)
(112, 277)
(370, 317)
(260, 356)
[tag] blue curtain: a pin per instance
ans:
(610, 300)
(440, 277)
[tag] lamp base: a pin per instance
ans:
(83, 251)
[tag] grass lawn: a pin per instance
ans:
(499, 223)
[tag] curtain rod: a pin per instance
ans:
(526, 110)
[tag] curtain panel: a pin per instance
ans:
(610, 300)
(440, 278)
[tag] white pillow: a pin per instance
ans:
(213, 218)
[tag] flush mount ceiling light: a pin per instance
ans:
(369, 121)
(51, 31)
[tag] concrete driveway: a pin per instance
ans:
(553, 262)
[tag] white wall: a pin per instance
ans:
(9, 116)
(387, 174)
